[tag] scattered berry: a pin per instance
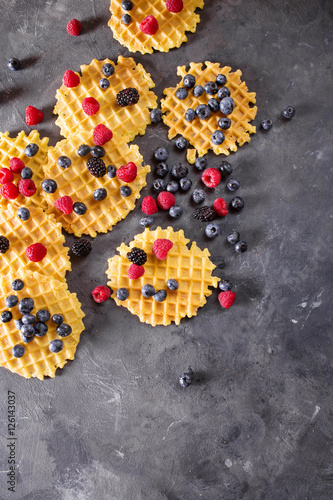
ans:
(26, 305)
(161, 169)
(218, 137)
(64, 204)
(189, 81)
(17, 284)
(28, 319)
(127, 97)
(11, 301)
(126, 19)
(127, 173)
(149, 25)
(233, 237)
(211, 177)
(149, 205)
(74, 27)
(221, 79)
(23, 214)
(204, 214)
(240, 246)
(225, 285)
(233, 185)
(79, 208)
(155, 115)
(104, 83)
(126, 4)
(64, 161)
(175, 6)
(56, 345)
(220, 207)
(135, 272)
(137, 256)
(161, 248)
(186, 378)
(198, 195)
(176, 211)
(57, 319)
(90, 106)
(185, 184)
(83, 150)
(160, 296)
(203, 111)
(33, 116)
(223, 92)
(159, 185)
(212, 230)
(225, 167)
(172, 284)
(71, 79)
(9, 191)
(100, 194)
(18, 351)
(4, 244)
(179, 170)
(224, 123)
(49, 186)
(213, 104)
(97, 152)
(64, 330)
(26, 173)
(190, 115)
(211, 88)
(125, 191)
(96, 167)
(6, 175)
(102, 134)
(198, 90)
(27, 333)
(147, 221)
(31, 150)
(108, 69)
(81, 247)
(16, 165)
(161, 154)
(237, 203)
(111, 171)
(165, 200)
(226, 299)
(148, 291)
(6, 316)
(101, 293)
(181, 93)
(288, 112)
(172, 186)
(122, 294)
(181, 143)
(201, 163)
(36, 252)
(40, 329)
(266, 124)
(14, 64)
(227, 105)
(43, 315)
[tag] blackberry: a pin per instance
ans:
(82, 247)
(96, 167)
(137, 256)
(4, 244)
(204, 214)
(128, 97)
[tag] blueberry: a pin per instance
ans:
(43, 315)
(23, 214)
(108, 69)
(158, 185)
(125, 191)
(26, 305)
(6, 316)
(127, 4)
(186, 378)
(83, 150)
(212, 230)
(147, 221)
(63, 330)
(218, 137)
(28, 319)
(225, 285)
(161, 154)
(175, 211)
(198, 90)
(189, 115)
(100, 194)
(241, 246)
(126, 19)
(56, 345)
(14, 64)
(31, 150)
(111, 171)
(122, 294)
(155, 115)
(148, 291)
(160, 296)
(49, 186)
(233, 184)
(11, 301)
(203, 112)
(17, 285)
(213, 104)
(221, 79)
(18, 323)
(57, 319)
(161, 169)
(172, 284)
(225, 167)
(181, 93)
(64, 162)
(27, 338)
(223, 92)
(224, 123)
(185, 183)
(104, 83)
(79, 208)
(18, 351)
(189, 81)
(201, 163)
(179, 170)
(211, 88)
(237, 203)
(181, 143)
(266, 124)
(26, 173)
(288, 112)
(97, 151)
(227, 105)
(198, 195)
(233, 237)
(40, 329)
(28, 330)
(172, 186)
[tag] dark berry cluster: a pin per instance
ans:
(4, 244)
(96, 167)
(137, 256)
(127, 97)
(81, 248)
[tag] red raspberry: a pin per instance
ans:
(90, 106)
(220, 207)
(149, 206)
(33, 115)
(166, 200)
(135, 271)
(26, 187)
(226, 299)
(6, 175)
(74, 27)
(101, 135)
(71, 79)
(127, 173)
(36, 252)
(174, 5)
(149, 25)
(211, 177)
(101, 293)
(65, 204)
(9, 191)
(16, 165)
(161, 248)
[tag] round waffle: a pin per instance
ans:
(199, 132)
(78, 183)
(190, 267)
(125, 122)
(172, 26)
(47, 293)
(11, 147)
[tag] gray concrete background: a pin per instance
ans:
(114, 423)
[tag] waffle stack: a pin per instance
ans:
(190, 267)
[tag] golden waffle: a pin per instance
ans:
(14, 147)
(191, 267)
(198, 132)
(172, 26)
(126, 121)
(39, 228)
(78, 183)
(47, 293)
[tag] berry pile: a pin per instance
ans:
(25, 184)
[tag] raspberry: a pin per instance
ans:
(211, 177)
(226, 299)
(127, 173)
(149, 25)
(65, 204)
(166, 200)
(204, 213)
(9, 191)
(101, 135)
(90, 106)
(33, 115)
(6, 175)
(128, 97)
(161, 247)
(96, 167)
(149, 205)
(101, 293)
(74, 27)
(174, 5)
(137, 256)
(135, 271)
(71, 79)
(220, 207)
(4, 244)
(36, 252)
(16, 165)
(26, 187)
